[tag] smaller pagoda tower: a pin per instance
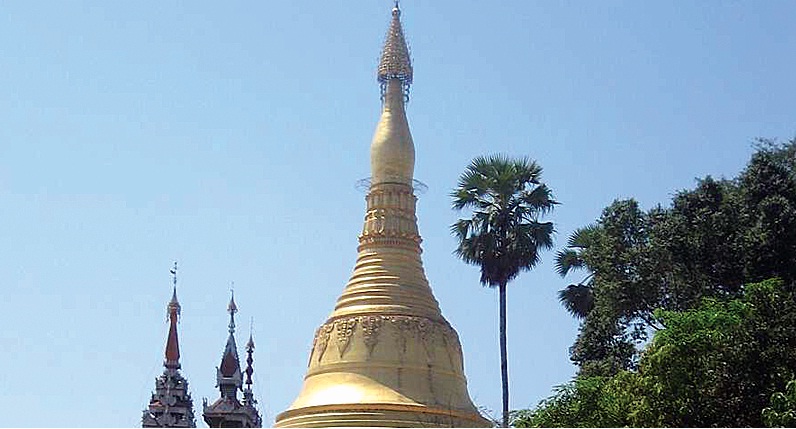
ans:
(227, 410)
(171, 404)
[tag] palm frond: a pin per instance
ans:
(566, 261)
(539, 199)
(583, 237)
(461, 228)
(543, 234)
(578, 299)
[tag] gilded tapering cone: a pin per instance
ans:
(386, 356)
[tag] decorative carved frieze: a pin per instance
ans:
(412, 244)
(390, 219)
(404, 328)
(321, 340)
(426, 331)
(390, 222)
(396, 196)
(370, 331)
(345, 329)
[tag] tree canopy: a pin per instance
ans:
(720, 364)
(709, 242)
(688, 309)
(504, 234)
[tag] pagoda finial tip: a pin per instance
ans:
(174, 305)
(232, 308)
(250, 343)
(172, 361)
(395, 62)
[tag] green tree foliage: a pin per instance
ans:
(585, 402)
(724, 363)
(618, 256)
(782, 411)
(503, 235)
(710, 278)
(708, 243)
(719, 364)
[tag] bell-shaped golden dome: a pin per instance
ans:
(386, 356)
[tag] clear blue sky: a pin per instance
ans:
(229, 137)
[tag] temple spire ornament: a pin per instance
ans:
(396, 62)
(171, 404)
(232, 308)
(172, 361)
(227, 410)
(386, 356)
(248, 395)
(392, 151)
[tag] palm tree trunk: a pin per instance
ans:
(504, 365)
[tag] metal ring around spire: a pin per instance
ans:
(363, 185)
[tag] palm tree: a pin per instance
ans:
(578, 299)
(503, 236)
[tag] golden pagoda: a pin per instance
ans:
(386, 356)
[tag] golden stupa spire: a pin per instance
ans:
(386, 356)
(392, 151)
(395, 60)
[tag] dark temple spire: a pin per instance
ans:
(227, 410)
(172, 361)
(248, 395)
(171, 404)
